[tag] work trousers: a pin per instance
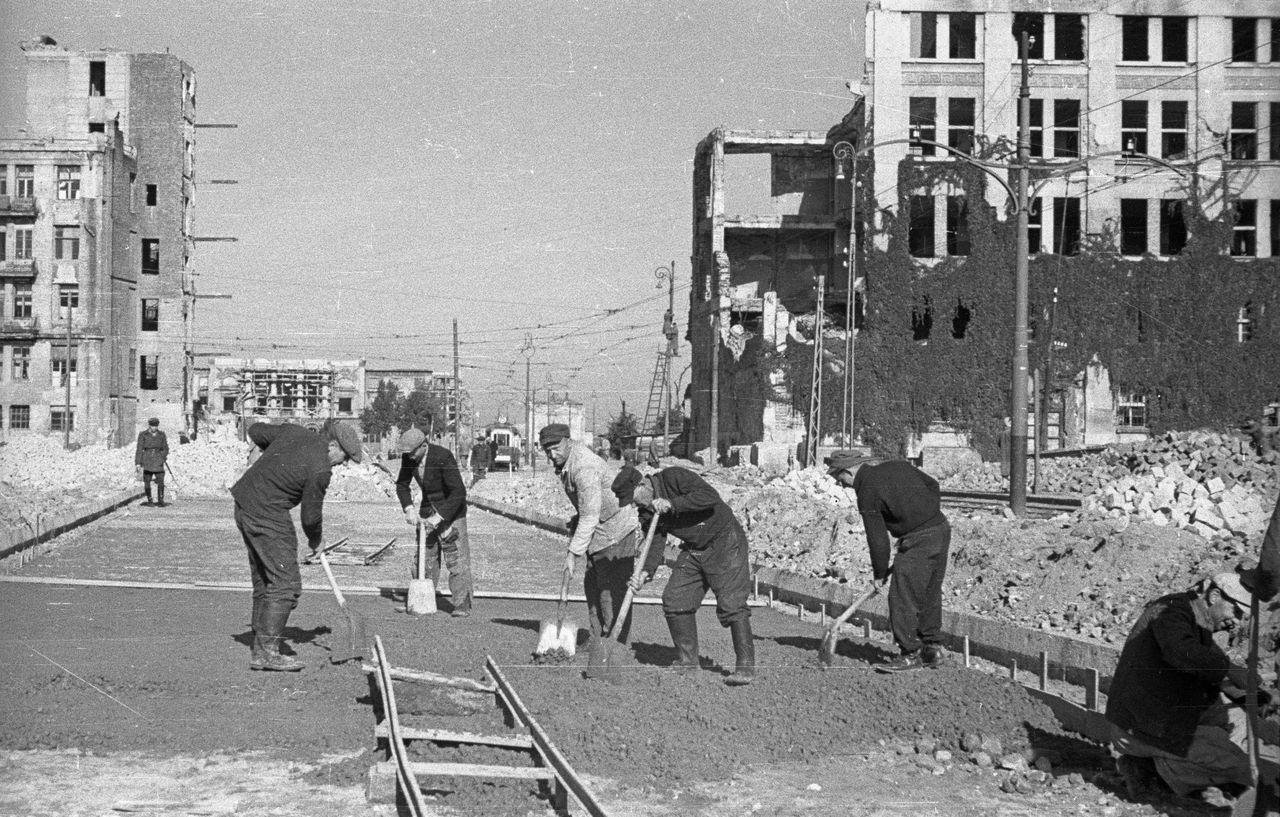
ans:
(1217, 754)
(158, 476)
(272, 545)
(722, 567)
(605, 585)
(915, 592)
(456, 556)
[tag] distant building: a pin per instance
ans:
(558, 408)
(76, 100)
(240, 392)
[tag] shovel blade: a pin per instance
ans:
(605, 661)
(827, 648)
(350, 640)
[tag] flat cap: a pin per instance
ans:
(553, 433)
(1231, 586)
(346, 438)
(410, 440)
(845, 460)
(624, 484)
(154, 421)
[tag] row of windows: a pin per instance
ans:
(1135, 227)
(1143, 39)
(67, 179)
(60, 419)
(66, 246)
(63, 364)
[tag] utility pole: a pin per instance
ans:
(715, 384)
(66, 372)
(669, 331)
(851, 277)
(527, 350)
(457, 392)
(1018, 392)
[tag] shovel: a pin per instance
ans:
(827, 649)
(603, 661)
(1249, 803)
(349, 639)
(559, 634)
(173, 482)
(421, 598)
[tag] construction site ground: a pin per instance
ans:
(140, 701)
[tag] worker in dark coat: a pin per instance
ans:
(713, 556)
(1165, 706)
(480, 459)
(291, 469)
(896, 498)
(442, 511)
(150, 456)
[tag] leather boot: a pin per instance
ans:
(684, 634)
(744, 651)
(275, 615)
(258, 656)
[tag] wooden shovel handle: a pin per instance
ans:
(851, 609)
(616, 630)
(333, 583)
(422, 551)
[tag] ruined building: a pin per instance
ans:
(238, 392)
(95, 206)
(1138, 110)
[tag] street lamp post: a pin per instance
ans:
(842, 151)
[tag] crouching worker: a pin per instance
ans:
(713, 556)
(292, 469)
(1168, 705)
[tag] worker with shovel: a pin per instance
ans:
(442, 512)
(897, 498)
(601, 530)
(292, 470)
(713, 556)
(150, 457)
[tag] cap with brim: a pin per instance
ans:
(410, 440)
(554, 433)
(845, 460)
(154, 421)
(624, 484)
(347, 439)
(1233, 588)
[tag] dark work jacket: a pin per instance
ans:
(293, 470)
(440, 481)
(480, 456)
(1169, 673)
(895, 498)
(698, 516)
(152, 450)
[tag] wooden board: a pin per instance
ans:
(449, 736)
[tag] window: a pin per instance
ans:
(62, 419)
(22, 300)
(1244, 39)
(963, 29)
(924, 35)
(19, 417)
(66, 243)
(20, 369)
(22, 238)
(97, 127)
(920, 227)
(68, 297)
(1275, 228)
(1244, 232)
(1244, 323)
(1173, 39)
(960, 123)
(151, 195)
(4, 243)
(60, 362)
(25, 182)
(150, 366)
(1066, 225)
(1242, 139)
(1066, 128)
(1068, 37)
(1035, 218)
(923, 122)
(344, 405)
(1133, 125)
(1133, 39)
(4, 180)
(1133, 226)
(97, 78)
(151, 256)
(957, 225)
(228, 402)
(150, 315)
(1033, 24)
(1131, 411)
(1173, 229)
(68, 182)
(1173, 129)
(1036, 135)
(1273, 129)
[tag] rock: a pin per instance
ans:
(925, 746)
(942, 756)
(982, 760)
(1014, 762)
(814, 787)
(991, 745)
(971, 741)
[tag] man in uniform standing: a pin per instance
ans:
(480, 459)
(713, 556)
(150, 456)
(600, 529)
(442, 511)
(897, 498)
(291, 469)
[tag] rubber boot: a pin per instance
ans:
(258, 656)
(744, 651)
(275, 616)
(684, 634)
(160, 496)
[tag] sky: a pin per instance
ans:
(522, 167)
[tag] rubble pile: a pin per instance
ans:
(539, 491)
(38, 477)
(360, 482)
(206, 468)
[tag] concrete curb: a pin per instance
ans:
(15, 543)
(1070, 659)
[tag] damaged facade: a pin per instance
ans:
(239, 392)
(1176, 81)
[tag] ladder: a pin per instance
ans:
(657, 395)
(815, 381)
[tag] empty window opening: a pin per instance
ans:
(149, 367)
(1035, 135)
(97, 78)
(924, 35)
(151, 256)
(963, 30)
(1133, 39)
(1131, 411)
(97, 127)
(960, 320)
(1244, 39)
(344, 405)
(1275, 228)
(1133, 226)
(1033, 25)
(68, 181)
(1242, 139)
(1066, 226)
(1066, 128)
(62, 364)
(920, 227)
(960, 123)
(150, 315)
(20, 368)
(152, 195)
(921, 320)
(1068, 37)
(1273, 131)
(957, 225)
(1035, 219)
(1173, 229)
(1173, 39)
(228, 402)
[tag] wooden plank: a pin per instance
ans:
(449, 736)
(425, 677)
(1091, 690)
(421, 770)
(1044, 670)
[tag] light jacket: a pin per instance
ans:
(599, 521)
